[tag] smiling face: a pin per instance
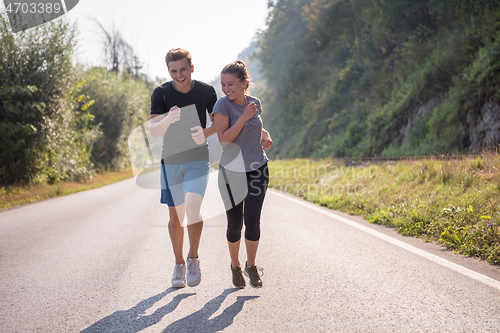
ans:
(233, 87)
(180, 71)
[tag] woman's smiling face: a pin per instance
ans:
(233, 87)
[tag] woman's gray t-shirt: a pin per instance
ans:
(248, 141)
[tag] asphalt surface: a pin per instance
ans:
(101, 261)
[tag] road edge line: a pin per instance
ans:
(432, 257)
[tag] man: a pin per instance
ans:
(185, 157)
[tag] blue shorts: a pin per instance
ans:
(191, 177)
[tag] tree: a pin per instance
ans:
(118, 54)
(37, 142)
(120, 104)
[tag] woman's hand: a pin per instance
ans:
(250, 111)
(266, 140)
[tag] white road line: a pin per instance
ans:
(438, 260)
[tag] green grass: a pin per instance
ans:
(20, 195)
(455, 202)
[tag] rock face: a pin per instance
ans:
(484, 127)
(424, 109)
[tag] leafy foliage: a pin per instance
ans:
(58, 121)
(120, 103)
(37, 141)
(118, 99)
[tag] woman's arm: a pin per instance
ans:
(267, 142)
(227, 134)
(210, 130)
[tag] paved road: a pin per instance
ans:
(100, 261)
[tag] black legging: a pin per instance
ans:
(249, 209)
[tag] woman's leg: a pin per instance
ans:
(234, 249)
(257, 181)
(234, 214)
(251, 251)
(233, 233)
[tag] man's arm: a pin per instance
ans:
(159, 124)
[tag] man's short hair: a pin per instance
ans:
(178, 54)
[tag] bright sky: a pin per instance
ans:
(214, 31)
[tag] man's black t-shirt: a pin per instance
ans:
(164, 97)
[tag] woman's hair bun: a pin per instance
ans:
(240, 62)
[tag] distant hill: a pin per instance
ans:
(381, 78)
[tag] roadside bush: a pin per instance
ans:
(120, 103)
(37, 139)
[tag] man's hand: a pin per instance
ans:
(198, 135)
(174, 114)
(159, 123)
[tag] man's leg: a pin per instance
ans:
(195, 222)
(195, 226)
(176, 209)
(173, 195)
(176, 231)
(195, 184)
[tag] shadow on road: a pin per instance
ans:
(200, 322)
(134, 320)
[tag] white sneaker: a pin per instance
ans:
(193, 272)
(179, 278)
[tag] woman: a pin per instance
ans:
(239, 128)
